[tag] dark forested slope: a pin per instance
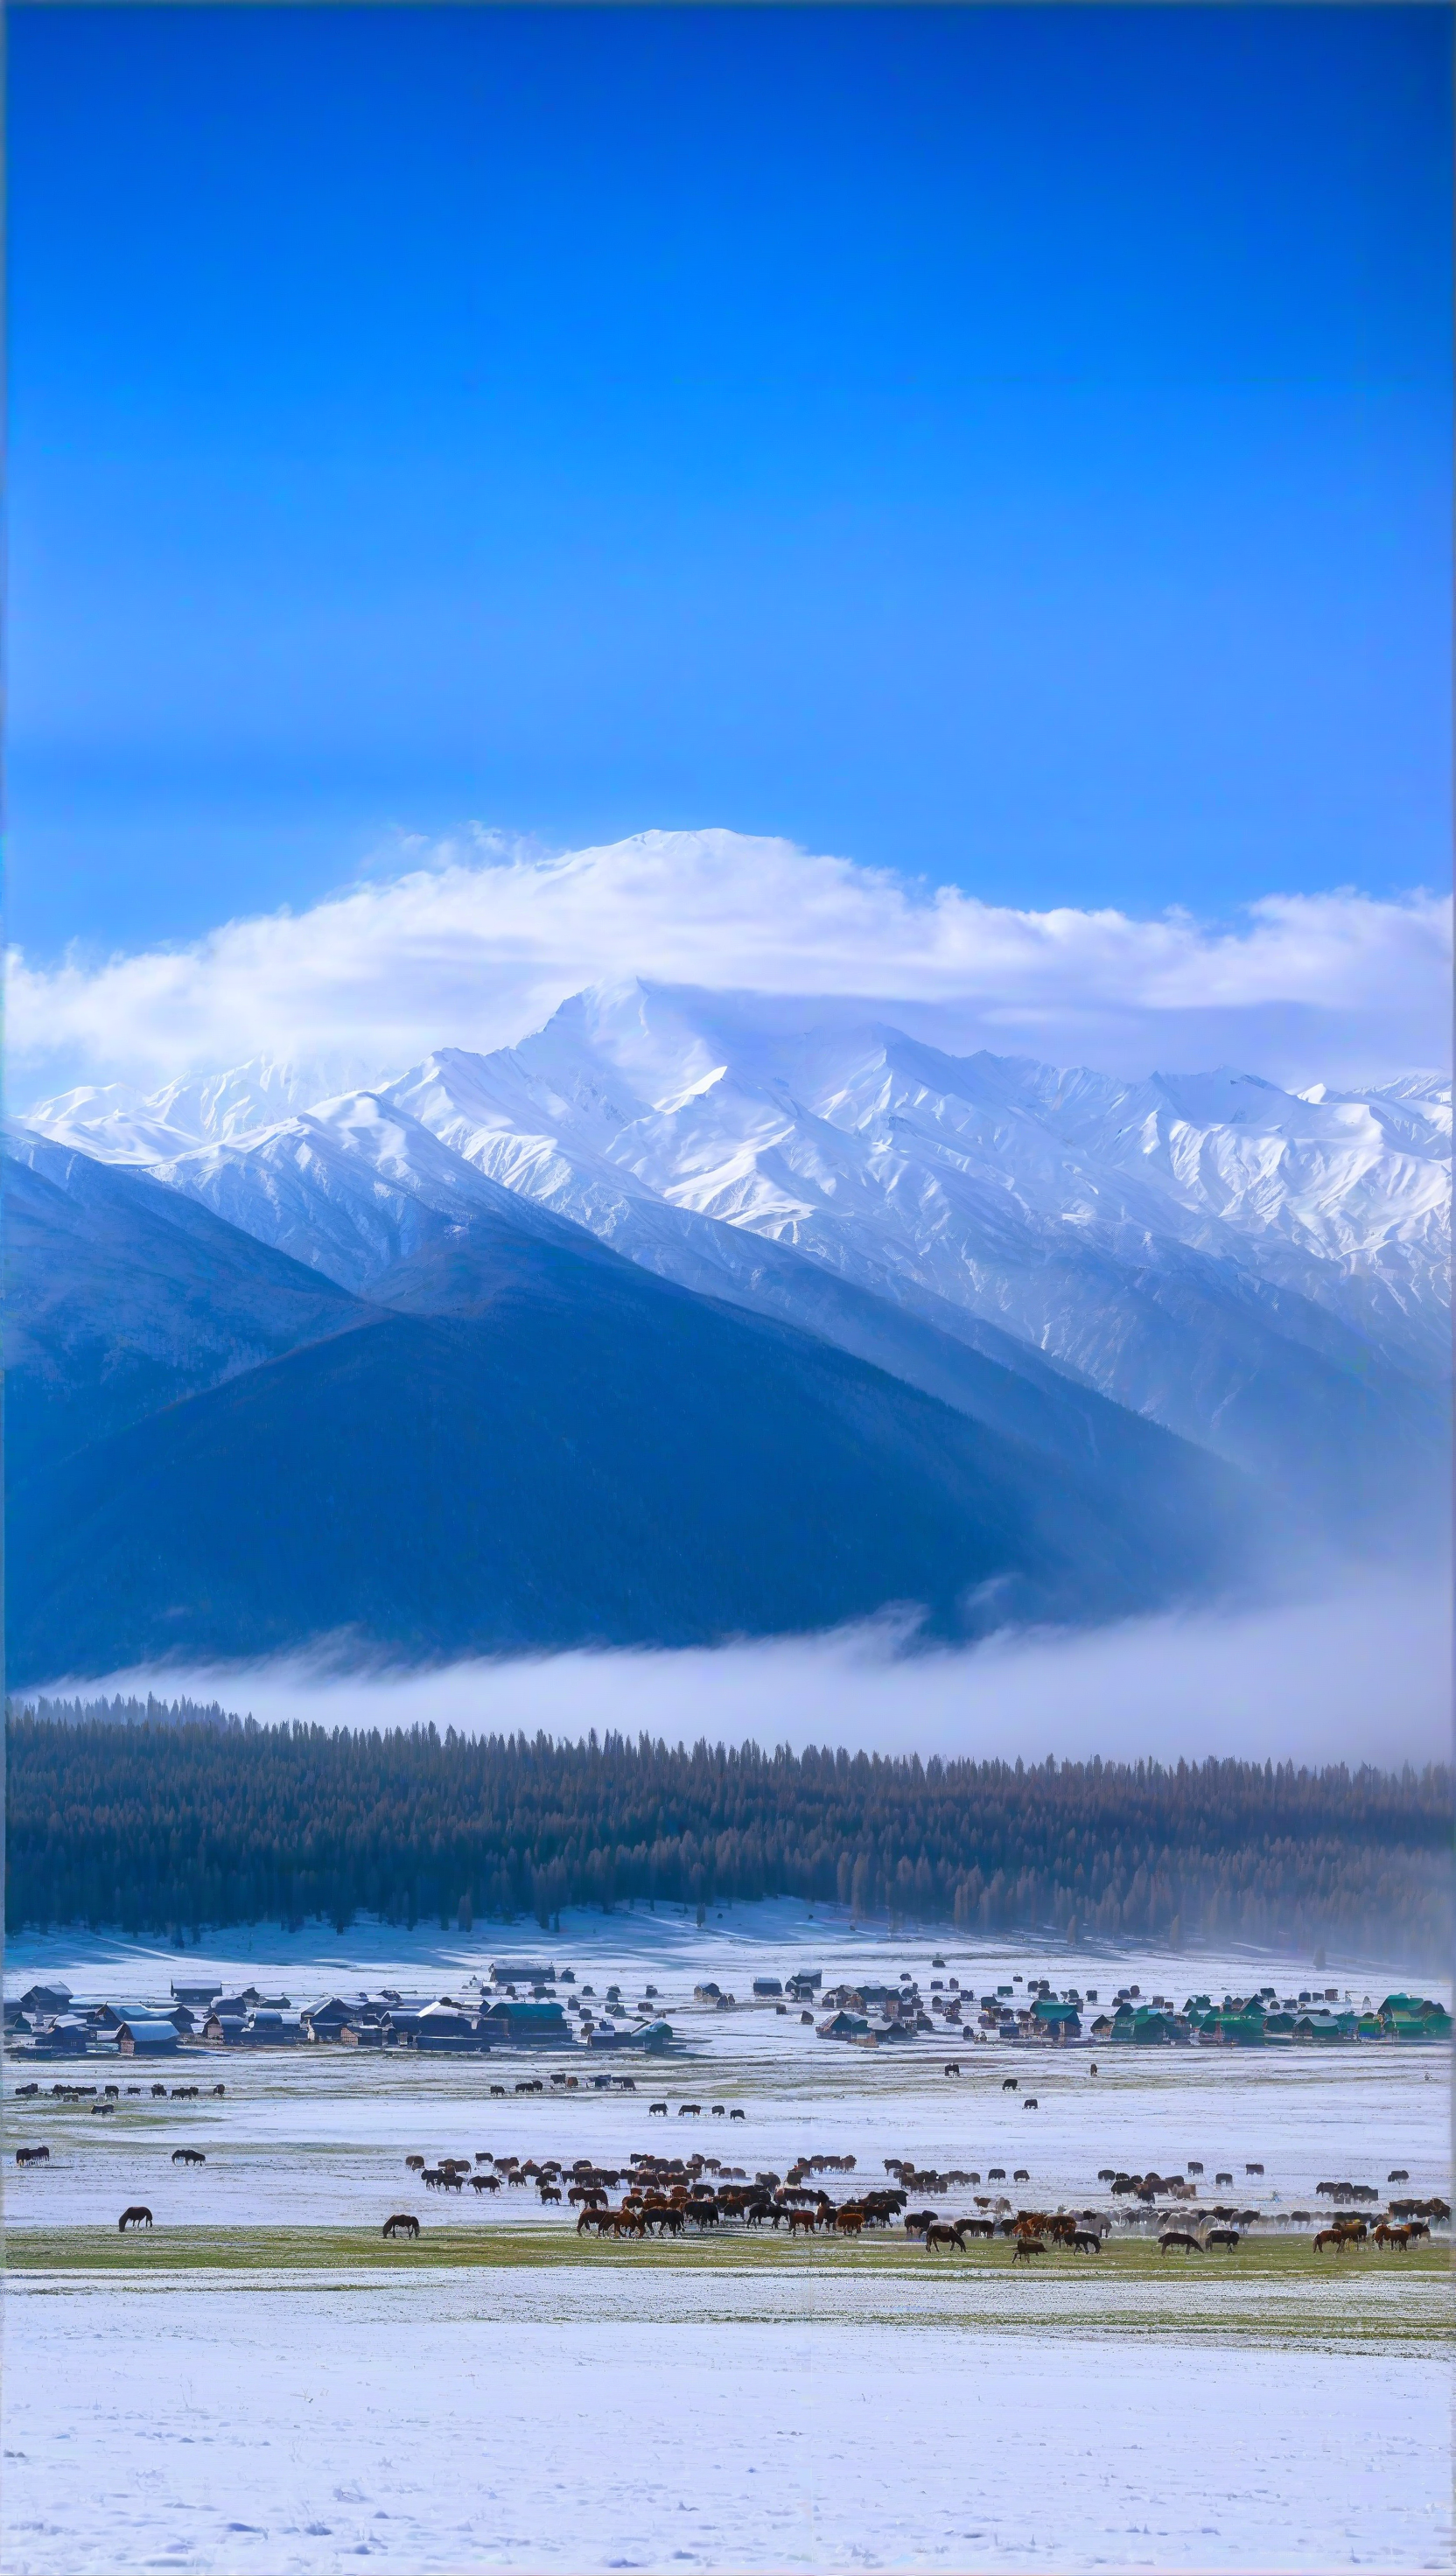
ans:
(576, 1453)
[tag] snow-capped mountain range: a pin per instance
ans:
(416, 1362)
(701, 1138)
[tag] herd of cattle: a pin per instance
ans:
(667, 2195)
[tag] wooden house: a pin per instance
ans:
(147, 2038)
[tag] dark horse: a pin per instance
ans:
(401, 2223)
(134, 2218)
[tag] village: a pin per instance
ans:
(532, 2004)
(1017, 2187)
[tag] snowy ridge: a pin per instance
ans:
(1174, 1241)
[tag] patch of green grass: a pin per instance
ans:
(1258, 2261)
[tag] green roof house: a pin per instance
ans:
(1062, 2021)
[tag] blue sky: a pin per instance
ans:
(1010, 446)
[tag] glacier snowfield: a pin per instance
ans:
(260, 2385)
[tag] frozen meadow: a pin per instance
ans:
(262, 2384)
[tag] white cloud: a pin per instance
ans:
(1361, 1674)
(479, 944)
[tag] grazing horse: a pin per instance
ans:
(1021, 2174)
(32, 2155)
(1030, 2104)
(1331, 2236)
(953, 2068)
(1252, 2169)
(134, 2218)
(1227, 2237)
(942, 2233)
(401, 2223)
(1085, 2240)
(1177, 2240)
(102, 2110)
(1009, 2083)
(1397, 2173)
(188, 2156)
(1025, 2247)
(736, 2114)
(849, 2222)
(416, 2164)
(657, 2110)
(803, 2221)
(690, 2110)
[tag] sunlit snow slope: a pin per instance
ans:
(1266, 1274)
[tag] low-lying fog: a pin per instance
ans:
(1360, 1674)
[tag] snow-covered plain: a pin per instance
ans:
(711, 2411)
(520, 2420)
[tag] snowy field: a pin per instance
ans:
(255, 2387)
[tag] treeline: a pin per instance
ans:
(150, 1711)
(168, 1824)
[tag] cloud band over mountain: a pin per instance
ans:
(474, 942)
